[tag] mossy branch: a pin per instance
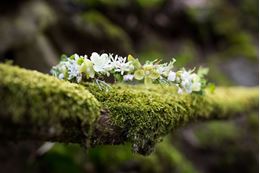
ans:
(40, 107)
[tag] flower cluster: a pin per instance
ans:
(97, 67)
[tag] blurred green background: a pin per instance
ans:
(219, 34)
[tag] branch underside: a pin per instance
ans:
(40, 107)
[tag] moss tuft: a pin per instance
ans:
(43, 99)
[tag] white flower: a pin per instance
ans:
(73, 69)
(76, 57)
(195, 77)
(162, 68)
(196, 86)
(190, 82)
(125, 67)
(187, 86)
(61, 76)
(171, 76)
(186, 76)
(115, 61)
(101, 63)
(128, 77)
(59, 70)
(63, 67)
(120, 65)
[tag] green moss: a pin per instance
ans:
(148, 113)
(227, 102)
(30, 95)
(145, 113)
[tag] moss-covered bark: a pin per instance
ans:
(147, 113)
(43, 106)
(38, 106)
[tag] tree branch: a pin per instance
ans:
(36, 106)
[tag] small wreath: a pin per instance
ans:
(99, 68)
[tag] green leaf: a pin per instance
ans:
(83, 67)
(211, 87)
(154, 74)
(80, 60)
(203, 71)
(134, 61)
(130, 58)
(63, 57)
(72, 57)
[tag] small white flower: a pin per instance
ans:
(171, 76)
(63, 67)
(195, 77)
(187, 86)
(76, 57)
(186, 76)
(196, 86)
(164, 69)
(161, 68)
(61, 76)
(101, 63)
(120, 65)
(115, 61)
(73, 66)
(73, 69)
(76, 67)
(128, 77)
